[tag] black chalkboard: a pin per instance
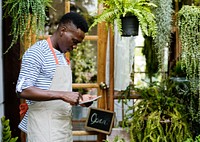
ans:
(100, 120)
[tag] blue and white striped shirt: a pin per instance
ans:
(37, 69)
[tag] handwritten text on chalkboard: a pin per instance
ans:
(100, 120)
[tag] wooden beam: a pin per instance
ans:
(87, 37)
(101, 55)
(111, 72)
(67, 6)
(85, 85)
(84, 133)
(91, 37)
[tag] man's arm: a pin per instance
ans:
(36, 94)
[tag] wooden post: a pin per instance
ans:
(101, 55)
(67, 9)
(111, 76)
(67, 6)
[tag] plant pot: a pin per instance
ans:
(130, 26)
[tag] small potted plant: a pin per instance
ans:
(131, 10)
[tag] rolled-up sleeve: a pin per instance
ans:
(30, 69)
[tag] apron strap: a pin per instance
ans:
(52, 50)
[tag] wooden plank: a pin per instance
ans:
(84, 133)
(67, 6)
(91, 37)
(85, 85)
(111, 74)
(87, 37)
(101, 56)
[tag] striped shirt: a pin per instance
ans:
(37, 69)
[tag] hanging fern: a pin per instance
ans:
(26, 15)
(115, 9)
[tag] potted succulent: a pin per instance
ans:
(28, 16)
(120, 10)
(159, 115)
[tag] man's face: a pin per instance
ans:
(70, 36)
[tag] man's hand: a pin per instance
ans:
(72, 97)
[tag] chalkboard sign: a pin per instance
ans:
(100, 120)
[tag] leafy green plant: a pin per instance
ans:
(26, 15)
(149, 51)
(6, 132)
(154, 48)
(178, 70)
(196, 139)
(158, 115)
(163, 17)
(189, 29)
(115, 9)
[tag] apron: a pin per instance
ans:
(50, 121)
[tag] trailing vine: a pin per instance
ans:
(26, 15)
(151, 59)
(163, 16)
(189, 31)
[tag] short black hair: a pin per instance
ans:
(76, 19)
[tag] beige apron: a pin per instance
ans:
(50, 121)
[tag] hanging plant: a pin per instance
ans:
(151, 59)
(26, 15)
(189, 31)
(114, 10)
(163, 17)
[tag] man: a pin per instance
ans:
(45, 82)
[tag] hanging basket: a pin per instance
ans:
(130, 26)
